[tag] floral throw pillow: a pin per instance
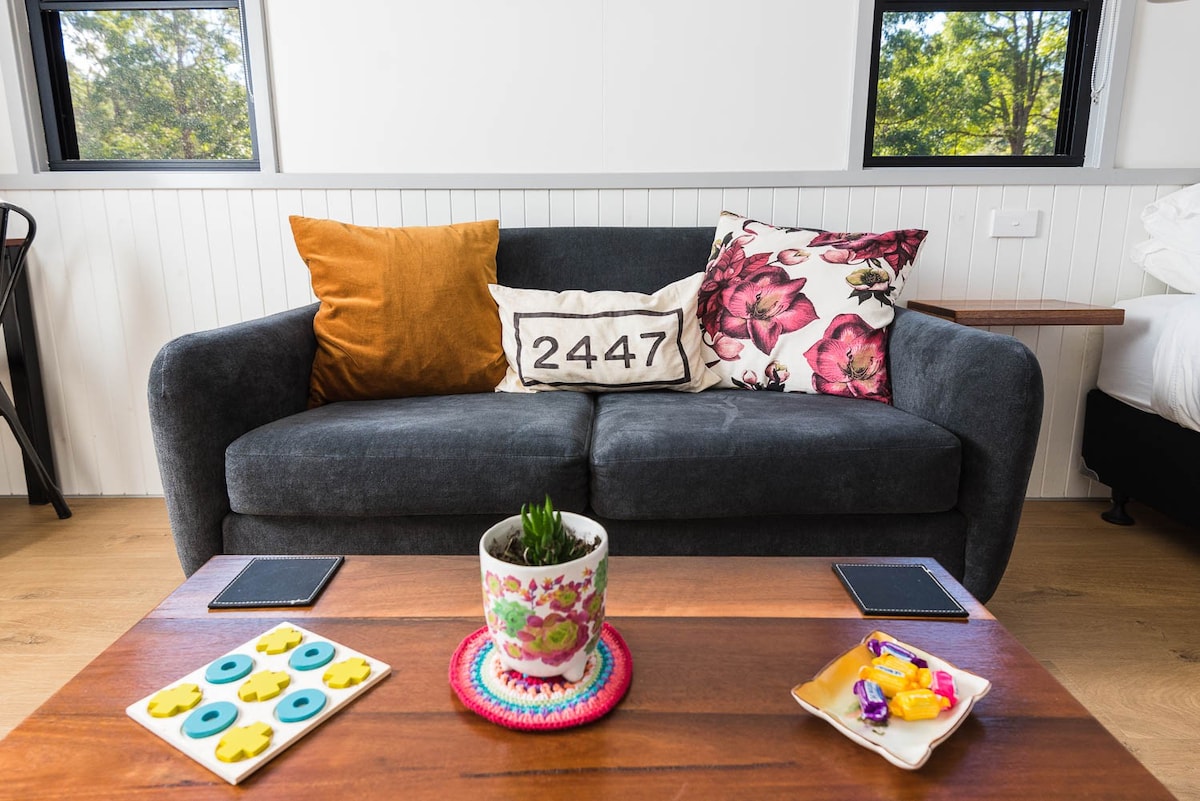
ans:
(793, 310)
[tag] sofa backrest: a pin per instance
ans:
(630, 259)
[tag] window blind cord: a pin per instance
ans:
(246, 51)
(1102, 64)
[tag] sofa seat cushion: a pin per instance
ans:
(737, 454)
(484, 453)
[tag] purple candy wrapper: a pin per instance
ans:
(881, 647)
(872, 700)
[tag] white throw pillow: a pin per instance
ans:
(602, 341)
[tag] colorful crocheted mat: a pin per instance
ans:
(517, 701)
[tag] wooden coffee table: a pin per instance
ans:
(717, 644)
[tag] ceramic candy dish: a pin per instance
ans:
(861, 715)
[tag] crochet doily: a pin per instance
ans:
(512, 699)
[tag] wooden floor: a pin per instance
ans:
(1113, 612)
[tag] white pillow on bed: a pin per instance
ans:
(1175, 268)
(1172, 254)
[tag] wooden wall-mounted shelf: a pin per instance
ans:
(1037, 311)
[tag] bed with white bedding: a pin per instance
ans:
(1141, 432)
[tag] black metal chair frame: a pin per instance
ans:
(7, 409)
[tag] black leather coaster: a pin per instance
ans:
(884, 590)
(278, 581)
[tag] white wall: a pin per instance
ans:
(606, 86)
(1160, 121)
(8, 155)
(466, 86)
(601, 86)
(117, 273)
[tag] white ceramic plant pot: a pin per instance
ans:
(545, 621)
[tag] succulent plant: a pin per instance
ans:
(544, 540)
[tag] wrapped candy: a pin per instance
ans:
(890, 680)
(900, 665)
(942, 683)
(910, 689)
(917, 704)
(882, 647)
(871, 699)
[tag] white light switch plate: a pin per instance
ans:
(1014, 223)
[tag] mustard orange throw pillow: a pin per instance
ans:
(404, 311)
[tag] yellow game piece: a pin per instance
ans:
(346, 673)
(173, 700)
(244, 742)
(263, 685)
(279, 641)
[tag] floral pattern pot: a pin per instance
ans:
(546, 620)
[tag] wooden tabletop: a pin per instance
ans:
(717, 644)
(1038, 311)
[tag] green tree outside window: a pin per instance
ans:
(970, 83)
(158, 84)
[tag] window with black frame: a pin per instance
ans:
(144, 84)
(978, 83)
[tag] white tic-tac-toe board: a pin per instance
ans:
(234, 714)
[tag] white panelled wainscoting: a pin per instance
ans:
(117, 273)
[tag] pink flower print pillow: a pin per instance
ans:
(794, 310)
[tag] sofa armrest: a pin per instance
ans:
(986, 388)
(207, 389)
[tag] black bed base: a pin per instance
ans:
(1142, 457)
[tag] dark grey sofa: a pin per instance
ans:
(941, 473)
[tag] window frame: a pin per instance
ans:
(1073, 133)
(54, 95)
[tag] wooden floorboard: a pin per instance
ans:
(1112, 612)
(69, 588)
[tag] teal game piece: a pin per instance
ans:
(300, 705)
(312, 656)
(210, 719)
(229, 668)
